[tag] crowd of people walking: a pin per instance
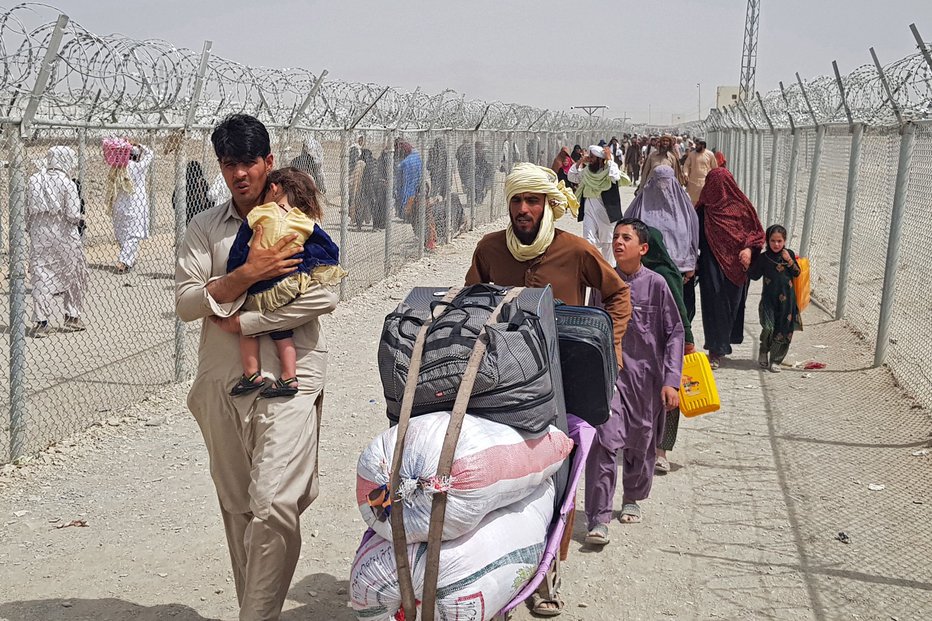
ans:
(689, 224)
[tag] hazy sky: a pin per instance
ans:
(634, 57)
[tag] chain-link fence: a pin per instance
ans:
(845, 164)
(89, 294)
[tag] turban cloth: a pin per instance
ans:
(526, 177)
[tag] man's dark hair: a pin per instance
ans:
(639, 227)
(241, 138)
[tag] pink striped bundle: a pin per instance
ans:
(494, 466)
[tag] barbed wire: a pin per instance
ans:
(909, 80)
(115, 80)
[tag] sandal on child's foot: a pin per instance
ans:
(774, 367)
(763, 360)
(280, 388)
(630, 513)
(597, 535)
(247, 384)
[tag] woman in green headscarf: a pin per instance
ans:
(658, 260)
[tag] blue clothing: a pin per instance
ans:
(409, 178)
(318, 250)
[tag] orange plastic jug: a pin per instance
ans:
(698, 392)
(801, 284)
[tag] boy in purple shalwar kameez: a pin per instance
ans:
(647, 387)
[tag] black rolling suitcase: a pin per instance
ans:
(588, 361)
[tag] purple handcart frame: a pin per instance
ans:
(582, 434)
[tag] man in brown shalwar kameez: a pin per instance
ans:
(263, 452)
(531, 252)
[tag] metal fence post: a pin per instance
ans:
(776, 137)
(812, 193)
(893, 243)
(45, 71)
(344, 207)
(420, 199)
(759, 170)
(851, 199)
(82, 160)
(180, 213)
(736, 156)
(150, 186)
(448, 199)
(739, 157)
(730, 154)
(181, 199)
(491, 154)
(18, 244)
(18, 250)
(725, 147)
(471, 173)
(389, 202)
(907, 138)
(789, 201)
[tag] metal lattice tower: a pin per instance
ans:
(749, 54)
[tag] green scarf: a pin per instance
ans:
(658, 260)
(591, 185)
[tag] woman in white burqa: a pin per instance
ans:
(130, 206)
(56, 255)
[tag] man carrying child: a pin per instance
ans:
(263, 452)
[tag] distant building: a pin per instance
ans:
(726, 96)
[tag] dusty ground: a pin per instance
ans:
(744, 528)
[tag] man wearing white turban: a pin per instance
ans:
(56, 256)
(597, 190)
(531, 252)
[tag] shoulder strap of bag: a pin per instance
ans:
(444, 466)
(399, 539)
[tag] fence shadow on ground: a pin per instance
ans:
(104, 609)
(828, 447)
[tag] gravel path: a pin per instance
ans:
(744, 527)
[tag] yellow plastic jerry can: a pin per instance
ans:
(698, 392)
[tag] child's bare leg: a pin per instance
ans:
(287, 357)
(287, 383)
(249, 355)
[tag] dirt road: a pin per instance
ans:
(745, 527)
